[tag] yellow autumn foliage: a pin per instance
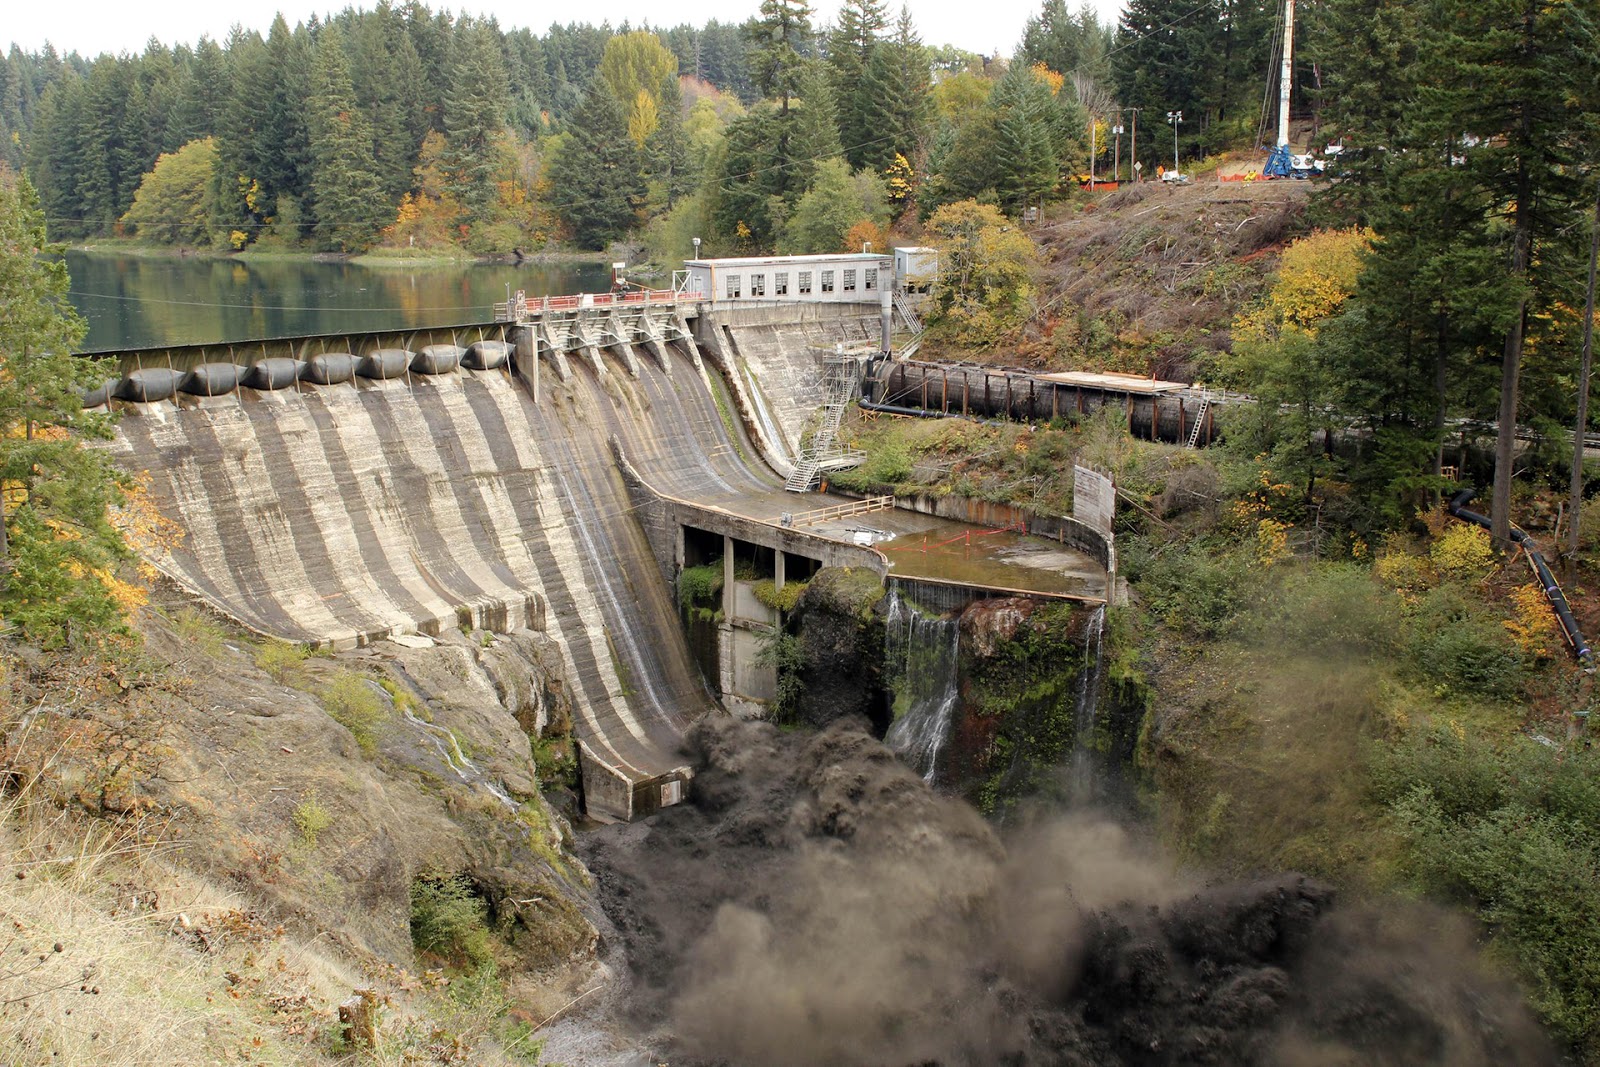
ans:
(1463, 552)
(1315, 277)
(1532, 625)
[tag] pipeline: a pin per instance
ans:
(1552, 590)
(921, 413)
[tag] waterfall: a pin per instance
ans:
(1087, 692)
(921, 654)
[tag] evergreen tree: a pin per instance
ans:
(199, 94)
(346, 197)
(284, 148)
(1068, 43)
(750, 203)
(814, 125)
(780, 40)
(1506, 72)
(51, 151)
(1027, 139)
(474, 118)
(387, 76)
(1167, 58)
(850, 49)
(898, 83)
(597, 172)
(56, 541)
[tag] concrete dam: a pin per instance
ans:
(441, 494)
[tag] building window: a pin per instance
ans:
(735, 281)
(805, 283)
(780, 283)
(870, 278)
(827, 281)
(758, 285)
(850, 280)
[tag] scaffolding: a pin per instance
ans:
(841, 383)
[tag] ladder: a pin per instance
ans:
(1199, 419)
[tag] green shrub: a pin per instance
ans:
(350, 699)
(1454, 645)
(1510, 831)
(768, 593)
(700, 587)
(403, 699)
(787, 654)
(1194, 587)
(200, 632)
(1328, 607)
(449, 919)
(310, 818)
(281, 660)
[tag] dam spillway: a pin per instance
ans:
(340, 514)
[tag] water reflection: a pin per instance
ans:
(146, 301)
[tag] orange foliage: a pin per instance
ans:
(1049, 77)
(863, 232)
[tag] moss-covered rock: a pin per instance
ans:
(841, 633)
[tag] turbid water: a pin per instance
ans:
(150, 301)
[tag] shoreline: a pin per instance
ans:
(381, 258)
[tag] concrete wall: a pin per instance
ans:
(338, 515)
(776, 347)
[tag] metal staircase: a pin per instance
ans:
(823, 452)
(1199, 419)
(908, 314)
(912, 321)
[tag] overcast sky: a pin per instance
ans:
(90, 27)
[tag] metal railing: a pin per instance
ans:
(522, 307)
(837, 511)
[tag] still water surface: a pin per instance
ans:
(150, 301)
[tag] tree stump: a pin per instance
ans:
(358, 1019)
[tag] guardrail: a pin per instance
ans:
(838, 511)
(515, 310)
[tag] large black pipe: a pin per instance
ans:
(1552, 589)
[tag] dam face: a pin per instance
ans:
(341, 514)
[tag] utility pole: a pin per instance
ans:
(1116, 156)
(1092, 125)
(1175, 117)
(1133, 149)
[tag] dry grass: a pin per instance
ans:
(112, 954)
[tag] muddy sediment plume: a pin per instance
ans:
(816, 903)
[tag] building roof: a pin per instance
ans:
(783, 261)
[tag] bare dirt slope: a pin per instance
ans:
(1148, 278)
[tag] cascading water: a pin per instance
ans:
(922, 653)
(1081, 784)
